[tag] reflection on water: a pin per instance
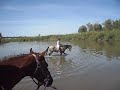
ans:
(59, 65)
(110, 49)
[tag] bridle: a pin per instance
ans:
(46, 80)
(37, 67)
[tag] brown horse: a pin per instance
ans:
(16, 68)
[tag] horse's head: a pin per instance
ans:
(41, 72)
(69, 47)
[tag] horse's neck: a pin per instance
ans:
(18, 70)
(19, 62)
(26, 67)
(66, 46)
(25, 62)
(18, 78)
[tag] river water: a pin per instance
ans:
(89, 62)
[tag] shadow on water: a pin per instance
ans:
(109, 49)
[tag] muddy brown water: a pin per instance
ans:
(89, 66)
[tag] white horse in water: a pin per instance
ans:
(62, 49)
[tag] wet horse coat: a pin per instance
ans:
(16, 68)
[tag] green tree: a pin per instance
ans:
(97, 27)
(83, 28)
(116, 24)
(0, 37)
(89, 27)
(38, 35)
(108, 24)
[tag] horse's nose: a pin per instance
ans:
(48, 82)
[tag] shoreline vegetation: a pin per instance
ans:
(92, 36)
(107, 31)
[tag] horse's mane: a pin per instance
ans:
(66, 46)
(14, 57)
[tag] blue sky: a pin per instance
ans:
(46, 17)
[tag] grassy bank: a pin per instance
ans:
(94, 36)
(105, 35)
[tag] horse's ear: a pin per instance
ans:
(31, 51)
(45, 52)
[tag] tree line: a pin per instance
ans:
(108, 30)
(108, 24)
(0, 37)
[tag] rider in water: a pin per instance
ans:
(58, 45)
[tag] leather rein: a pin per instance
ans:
(37, 67)
(46, 79)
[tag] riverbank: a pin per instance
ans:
(106, 35)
